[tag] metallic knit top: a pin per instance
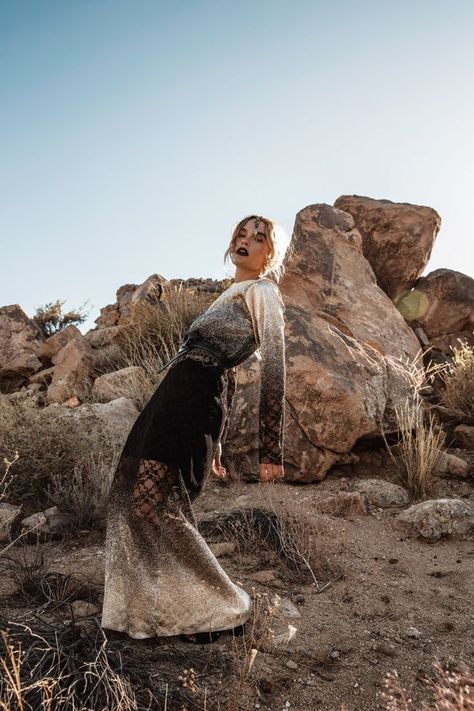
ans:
(248, 317)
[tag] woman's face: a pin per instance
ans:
(254, 241)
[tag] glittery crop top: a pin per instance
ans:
(248, 317)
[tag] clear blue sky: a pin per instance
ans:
(134, 133)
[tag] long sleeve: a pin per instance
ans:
(231, 386)
(267, 310)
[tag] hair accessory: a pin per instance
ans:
(257, 222)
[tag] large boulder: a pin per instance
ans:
(117, 416)
(72, 371)
(113, 314)
(20, 343)
(441, 303)
(397, 238)
(103, 336)
(343, 335)
(52, 345)
(110, 386)
(151, 290)
(100, 422)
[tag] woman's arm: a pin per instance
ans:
(231, 386)
(267, 309)
(217, 467)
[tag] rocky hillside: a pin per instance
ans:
(361, 578)
(356, 307)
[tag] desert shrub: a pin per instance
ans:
(418, 453)
(37, 585)
(50, 318)
(458, 378)
(83, 494)
(64, 665)
(152, 336)
(301, 544)
(6, 477)
(68, 668)
(450, 686)
(60, 454)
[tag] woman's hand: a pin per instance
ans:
(270, 472)
(217, 467)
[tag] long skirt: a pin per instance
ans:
(161, 578)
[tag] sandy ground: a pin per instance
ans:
(347, 636)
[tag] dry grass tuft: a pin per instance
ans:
(63, 460)
(39, 587)
(458, 379)
(299, 543)
(418, 453)
(451, 689)
(247, 648)
(6, 477)
(152, 336)
(67, 668)
(83, 495)
(419, 450)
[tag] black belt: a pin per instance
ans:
(192, 342)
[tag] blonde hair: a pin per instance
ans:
(277, 241)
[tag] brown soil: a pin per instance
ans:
(350, 634)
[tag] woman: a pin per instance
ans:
(161, 578)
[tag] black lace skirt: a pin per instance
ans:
(160, 576)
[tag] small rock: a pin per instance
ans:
(291, 664)
(283, 633)
(464, 435)
(334, 654)
(285, 608)
(263, 576)
(450, 465)
(81, 608)
(413, 633)
(223, 549)
(436, 518)
(72, 401)
(110, 386)
(37, 522)
(44, 522)
(8, 515)
(382, 493)
(343, 504)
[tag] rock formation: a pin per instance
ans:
(346, 338)
(397, 238)
(342, 331)
(442, 306)
(20, 343)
